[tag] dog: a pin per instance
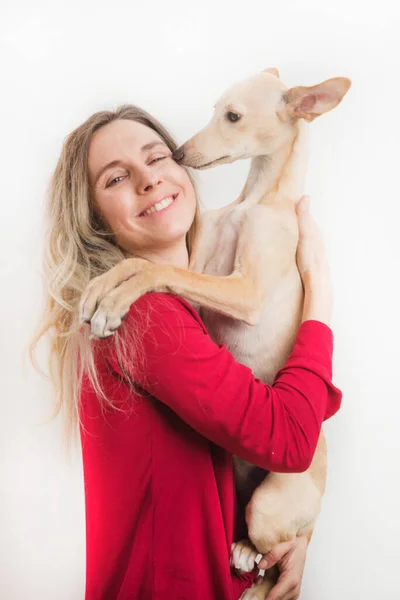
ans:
(243, 275)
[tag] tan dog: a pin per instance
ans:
(243, 274)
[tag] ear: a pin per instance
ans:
(311, 102)
(273, 71)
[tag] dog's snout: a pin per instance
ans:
(178, 154)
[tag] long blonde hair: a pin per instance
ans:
(78, 248)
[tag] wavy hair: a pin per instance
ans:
(79, 247)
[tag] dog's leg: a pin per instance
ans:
(259, 591)
(244, 558)
(202, 248)
(265, 251)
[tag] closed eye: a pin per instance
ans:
(159, 158)
(154, 160)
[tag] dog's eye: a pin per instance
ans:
(233, 117)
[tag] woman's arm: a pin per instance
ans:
(275, 427)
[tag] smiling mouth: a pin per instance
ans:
(159, 206)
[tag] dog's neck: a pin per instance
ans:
(279, 176)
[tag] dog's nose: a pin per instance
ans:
(178, 154)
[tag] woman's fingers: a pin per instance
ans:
(286, 589)
(276, 554)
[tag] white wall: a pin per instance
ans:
(63, 61)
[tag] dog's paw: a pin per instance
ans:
(96, 290)
(99, 287)
(244, 556)
(110, 313)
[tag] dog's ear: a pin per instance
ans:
(310, 102)
(273, 71)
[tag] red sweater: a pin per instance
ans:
(159, 487)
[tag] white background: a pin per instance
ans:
(62, 61)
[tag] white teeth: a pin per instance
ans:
(159, 206)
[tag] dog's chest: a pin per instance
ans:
(263, 347)
(241, 339)
(223, 249)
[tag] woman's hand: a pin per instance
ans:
(313, 266)
(290, 558)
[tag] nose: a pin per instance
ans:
(147, 180)
(178, 155)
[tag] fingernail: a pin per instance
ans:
(262, 564)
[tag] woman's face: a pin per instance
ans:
(146, 198)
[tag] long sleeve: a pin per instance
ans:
(274, 427)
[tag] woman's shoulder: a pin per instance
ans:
(157, 323)
(157, 306)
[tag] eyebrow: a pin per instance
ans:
(115, 163)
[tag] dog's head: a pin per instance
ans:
(256, 116)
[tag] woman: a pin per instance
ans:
(161, 408)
